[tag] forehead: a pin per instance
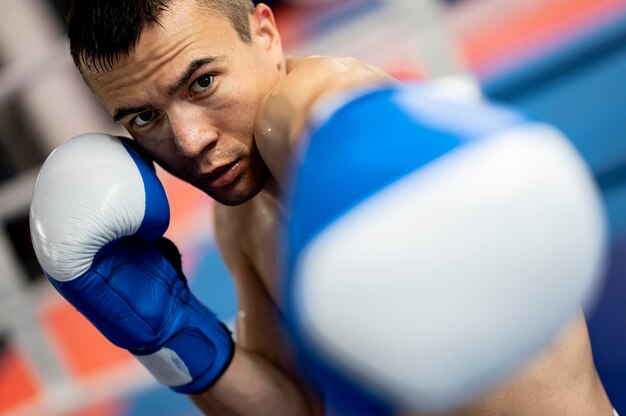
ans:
(185, 31)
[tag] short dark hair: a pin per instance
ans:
(102, 31)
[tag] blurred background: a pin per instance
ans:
(563, 61)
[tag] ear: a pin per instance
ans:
(264, 31)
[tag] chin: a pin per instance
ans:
(238, 195)
(232, 201)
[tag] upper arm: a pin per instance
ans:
(285, 110)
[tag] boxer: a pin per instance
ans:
(204, 88)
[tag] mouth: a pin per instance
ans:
(222, 176)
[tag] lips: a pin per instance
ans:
(222, 176)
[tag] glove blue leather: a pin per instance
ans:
(97, 216)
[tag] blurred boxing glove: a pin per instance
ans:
(97, 216)
(435, 245)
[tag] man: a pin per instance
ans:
(205, 90)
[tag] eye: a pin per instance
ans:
(201, 84)
(144, 118)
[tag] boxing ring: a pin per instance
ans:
(560, 60)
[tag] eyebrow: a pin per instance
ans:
(193, 66)
(122, 112)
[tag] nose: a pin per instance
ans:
(192, 132)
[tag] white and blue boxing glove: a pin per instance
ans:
(434, 246)
(97, 218)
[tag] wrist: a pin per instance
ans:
(196, 357)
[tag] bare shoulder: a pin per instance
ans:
(317, 76)
(323, 65)
(285, 110)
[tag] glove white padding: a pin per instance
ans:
(486, 253)
(79, 194)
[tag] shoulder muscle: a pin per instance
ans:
(285, 110)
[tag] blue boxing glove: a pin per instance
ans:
(463, 236)
(97, 216)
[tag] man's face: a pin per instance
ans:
(188, 93)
